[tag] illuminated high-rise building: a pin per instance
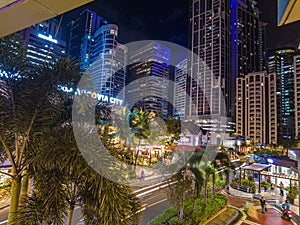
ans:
(228, 41)
(247, 41)
(180, 89)
(209, 66)
(108, 61)
(256, 107)
(79, 35)
(281, 63)
(43, 41)
(147, 79)
(297, 94)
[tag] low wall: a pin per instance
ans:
(239, 193)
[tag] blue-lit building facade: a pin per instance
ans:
(228, 41)
(180, 89)
(147, 77)
(43, 42)
(297, 93)
(209, 66)
(281, 63)
(248, 41)
(108, 61)
(94, 43)
(79, 35)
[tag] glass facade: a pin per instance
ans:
(281, 63)
(147, 79)
(43, 42)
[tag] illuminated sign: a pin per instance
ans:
(48, 38)
(95, 95)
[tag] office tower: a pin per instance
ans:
(180, 89)
(209, 66)
(247, 40)
(256, 107)
(79, 35)
(108, 61)
(230, 39)
(281, 63)
(147, 78)
(297, 94)
(43, 41)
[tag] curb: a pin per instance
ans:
(3, 207)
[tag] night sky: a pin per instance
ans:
(168, 21)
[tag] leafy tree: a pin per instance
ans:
(139, 122)
(63, 179)
(29, 99)
(287, 143)
(189, 182)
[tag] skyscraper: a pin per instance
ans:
(297, 94)
(108, 61)
(247, 41)
(281, 63)
(256, 107)
(79, 35)
(180, 89)
(43, 41)
(229, 42)
(210, 73)
(147, 78)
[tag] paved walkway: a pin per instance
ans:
(271, 217)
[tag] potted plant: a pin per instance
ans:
(293, 193)
(266, 185)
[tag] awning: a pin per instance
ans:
(256, 167)
(16, 15)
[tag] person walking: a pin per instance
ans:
(281, 187)
(263, 204)
(142, 174)
(272, 189)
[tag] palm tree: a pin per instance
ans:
(62, 180)
(139, 122)
(29, 100)
(222, 161)
(121, 121)
(189, 179)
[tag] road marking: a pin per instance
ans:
(156, 203)
(3, 222)
(145, 188)
(155, 189)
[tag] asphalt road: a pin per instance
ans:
(153, 199)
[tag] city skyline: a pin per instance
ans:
(158, 20)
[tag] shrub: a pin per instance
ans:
(200, 214)
(245, 183)
(265, 184)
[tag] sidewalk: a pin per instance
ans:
(4, 203)
(150, 177)
(272, 217)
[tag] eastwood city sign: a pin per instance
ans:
(100, 97)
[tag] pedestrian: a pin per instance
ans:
(142, 174)
(272, 189)
(263, 204)
(281, 187)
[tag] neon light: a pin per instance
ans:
(48, 38)
(94, 95)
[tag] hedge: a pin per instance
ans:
(199, 216)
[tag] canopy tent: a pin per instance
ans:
(255, 167)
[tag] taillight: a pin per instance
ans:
(289, 212)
